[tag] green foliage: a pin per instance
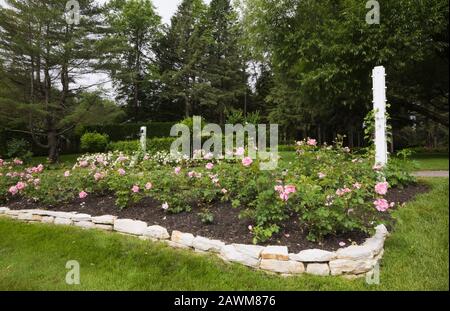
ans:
(153, 145)
(19, 148)
(117, 132)
(94, 142)
(206, 217)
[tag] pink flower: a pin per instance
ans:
(191, 174)
(357, 185)
(247, 161)
(279, 188)
(381, 205)
(284, 196)
(98, 176)
(84, 164)
(224, 191)
(13, 190)
(165, 206)
(341, 192)
(121, 171)
(66, 173)
(346, 149)
(1, 162)
(208, 156)
(148, 186)
(21, 185)
(209, 166)
(377, 167)
(177, 170)
(290, 189)
(250, 228)
(18, 162)
(311, 142)
(381, 188)
(82, 195)
(37, 181)
(341, 244)
(240, 151)
(135, 189)
(322, 175)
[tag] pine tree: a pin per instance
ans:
(43, 56)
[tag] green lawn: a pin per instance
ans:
(33, 257)
(432, 161)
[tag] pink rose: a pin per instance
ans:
(381, 188)
(381, 205)
(377, 167)
(98, 176)
(82, 195)
(177, 170)
(84, 164)
(224, 191)
(148, 186)
(357, 185)
(240, 151)
(311, 142)
(121, 171)
(322, 175)
(66, 173)
(290, 189)
(1, 162)
(247, 161)
(165, 206)
(209, 166)
(18, 162)
(21, 185)
(135, 189)
(341, 244)
(13, 190)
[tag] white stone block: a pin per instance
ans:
(249, 250)
(204, 244)
(282, 266)
(321, 269)
(186, 239)
(275, 252)
(104, 220)
(313, 255)
(129, 226)
(156, 232)
(232, 254)
(63, 221)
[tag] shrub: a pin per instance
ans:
(94, 142)
(19, 148)
(153, 145)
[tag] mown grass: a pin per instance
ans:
(33, 257)
(432, 161)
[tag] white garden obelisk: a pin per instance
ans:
(144, 139)
(379, 106)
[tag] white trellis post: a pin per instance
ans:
(379, 105)
(144, 138)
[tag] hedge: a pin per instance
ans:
(130, 131)
(153, 145)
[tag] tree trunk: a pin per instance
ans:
(53, 152)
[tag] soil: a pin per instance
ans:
(227, 226)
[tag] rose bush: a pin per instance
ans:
(327, 188)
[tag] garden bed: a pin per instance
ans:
(226, 225)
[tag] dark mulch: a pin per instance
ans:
(226, 226)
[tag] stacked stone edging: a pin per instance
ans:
(354, 260)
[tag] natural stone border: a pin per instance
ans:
(354, 260)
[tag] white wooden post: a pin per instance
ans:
(379, 105)
(144, 139)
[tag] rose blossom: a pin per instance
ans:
(21, 185)
(18, 162)
(66, 173)
(322, 175)
(82, 195)
(13, 190)
(341, 244)
(98, 176)
(357, 185)
(165, 206)
(135, 189)
(209, 166)
(148, 186)
(290, 189)
(312, 142)
(177, 170)
(224, 191)
(1, 162)
(240, 151)
(247, 161)
(121, 171)
(381, 205)
(381, 188)
(377, 167)
(84, 164)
